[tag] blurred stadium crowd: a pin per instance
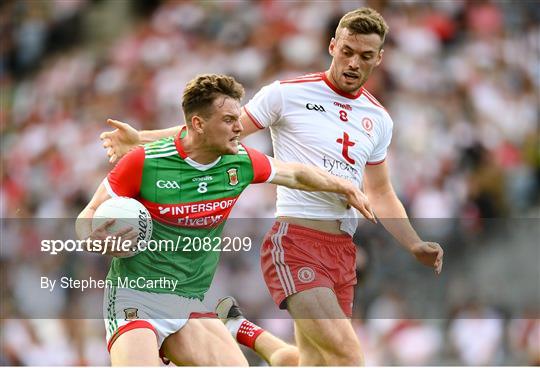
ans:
(460, 79)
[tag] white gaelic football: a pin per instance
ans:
(127, 212)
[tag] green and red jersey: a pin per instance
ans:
(185, 199)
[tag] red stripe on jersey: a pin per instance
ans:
(262, 169)
(125, 178)
(178, 142)
(373, 100)
(317, 74)
(305, 77)
(201, 214)
(341, 92)
(252, 118)
(376, 162)
(300, 81)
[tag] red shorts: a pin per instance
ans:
(296, 258)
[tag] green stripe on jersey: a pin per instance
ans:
(160, 149)
(160, 143)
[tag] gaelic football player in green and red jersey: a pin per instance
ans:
(189, 183)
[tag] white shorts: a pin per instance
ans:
(128, 309)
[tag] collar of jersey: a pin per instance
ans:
(339, 91)
(187, 159)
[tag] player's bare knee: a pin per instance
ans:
(287, 356)
(346, 353)
(341, 348)
(234, 360)
(347, 359)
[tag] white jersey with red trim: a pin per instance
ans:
(313, 122)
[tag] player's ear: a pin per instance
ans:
(379, 57)
(332, 46)
(197, 123)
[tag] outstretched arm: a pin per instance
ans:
(124, 137)
(392, 215)
(310, 178)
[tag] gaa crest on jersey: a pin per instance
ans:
(131, 313)
(233, 176)
(367, 124)
(306, 274)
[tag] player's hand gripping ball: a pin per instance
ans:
(126, 212)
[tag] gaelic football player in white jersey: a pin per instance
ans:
(328, 120)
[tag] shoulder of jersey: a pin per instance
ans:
(242, 154)
(160, 148)
(241, 158)
(307, 78)
(242, 150)
(317, 77)
(372, 100)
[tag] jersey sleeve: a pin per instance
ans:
(125, 179)
(263, 170)
(379, 153)
(265, 108)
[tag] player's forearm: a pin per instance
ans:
(83, 224)
(391, 213)
(147, 136)
(311, 179)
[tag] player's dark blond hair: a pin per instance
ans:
(363, 21)
(200, 93)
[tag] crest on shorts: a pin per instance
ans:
(306, 274)
(233, 176)
(131, 313)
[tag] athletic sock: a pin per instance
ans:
(245, 331)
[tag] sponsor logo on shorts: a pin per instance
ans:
(306, 274)
(131, 313)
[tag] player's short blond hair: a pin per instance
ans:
(363, 21)
(200, 93)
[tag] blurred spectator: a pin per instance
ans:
(524, 335)
(477, 333)
(487, 185)
(36, 28)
